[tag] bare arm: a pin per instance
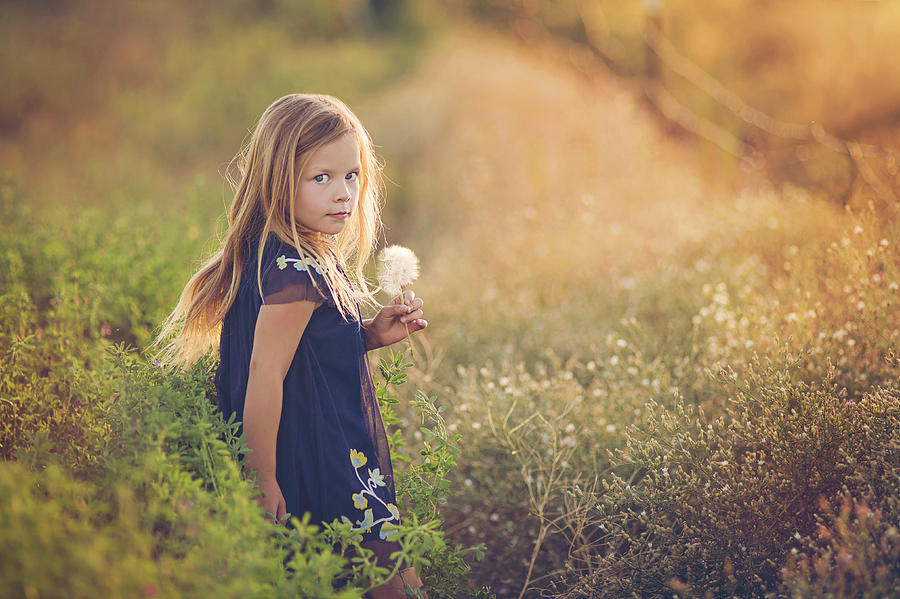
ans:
(278, 331)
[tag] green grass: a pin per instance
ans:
(660, 387)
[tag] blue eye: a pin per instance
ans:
(320, 178)
(352, 176)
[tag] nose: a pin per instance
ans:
(343, 193)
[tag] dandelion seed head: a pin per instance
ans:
(397, 267)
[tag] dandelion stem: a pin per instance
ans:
(408, 339)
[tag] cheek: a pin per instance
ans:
(306, 195)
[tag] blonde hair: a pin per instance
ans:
(270, 164)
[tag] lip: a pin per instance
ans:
(340, 215)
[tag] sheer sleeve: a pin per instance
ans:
(290, 278)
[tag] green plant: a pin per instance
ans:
(422, 487)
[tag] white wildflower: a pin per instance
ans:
(398, 267)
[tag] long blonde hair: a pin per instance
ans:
(269, 166)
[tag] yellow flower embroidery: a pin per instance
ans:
(300, 264)
(357, 458)
(367, 522)
(387, 531)
(359, 501)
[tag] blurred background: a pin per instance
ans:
(612, 200)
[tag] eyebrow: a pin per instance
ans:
(322, 169)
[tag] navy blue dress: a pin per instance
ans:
(332, 455)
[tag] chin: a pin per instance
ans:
(332, 230)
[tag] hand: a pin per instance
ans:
(390, 324)
(270, 498)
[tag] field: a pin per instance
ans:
(644, 374)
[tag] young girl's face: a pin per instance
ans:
(328, 190)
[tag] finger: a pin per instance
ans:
(408, 296)
(411, 316)
(417, 325)
(407, 308)
(399, 310)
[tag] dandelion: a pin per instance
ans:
(398, 267)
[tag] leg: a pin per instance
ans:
(393, 589)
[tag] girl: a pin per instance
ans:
(282, 297)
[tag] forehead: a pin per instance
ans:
(340, 153)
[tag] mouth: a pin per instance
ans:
(340, 215)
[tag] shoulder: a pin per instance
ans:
(292, 274)
(286, 259)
